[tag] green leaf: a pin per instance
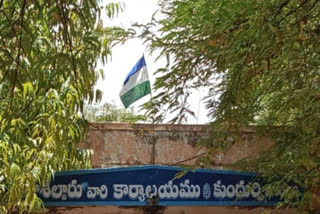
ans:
(98, 95)
(27, 89)
(15, 170)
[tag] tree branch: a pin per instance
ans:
(69, 42)
(19, 52)
(285, 3)
(13, 59)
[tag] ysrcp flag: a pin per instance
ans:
(136, 84)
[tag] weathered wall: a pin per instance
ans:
(141, 144)
(117, 144)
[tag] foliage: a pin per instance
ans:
(111, 113)
(260, 61)
(48, 55)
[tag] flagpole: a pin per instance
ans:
(153, 160)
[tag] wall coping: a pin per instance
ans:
(159, 127)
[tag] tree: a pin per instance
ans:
(260, 61)
(111, 113)
(48, 55)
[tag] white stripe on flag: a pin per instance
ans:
(134, 80)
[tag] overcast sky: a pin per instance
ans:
(125, 56)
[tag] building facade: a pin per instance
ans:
(125, 145)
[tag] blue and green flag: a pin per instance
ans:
(136, 84)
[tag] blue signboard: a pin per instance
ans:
(140, 186)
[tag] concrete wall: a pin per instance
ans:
(118, 144)
(140, 144)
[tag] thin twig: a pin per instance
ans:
(292, 11)
(196, 156)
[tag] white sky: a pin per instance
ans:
(125, 56)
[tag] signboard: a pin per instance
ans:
(140, 186)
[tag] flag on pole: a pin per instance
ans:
(136, 84)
